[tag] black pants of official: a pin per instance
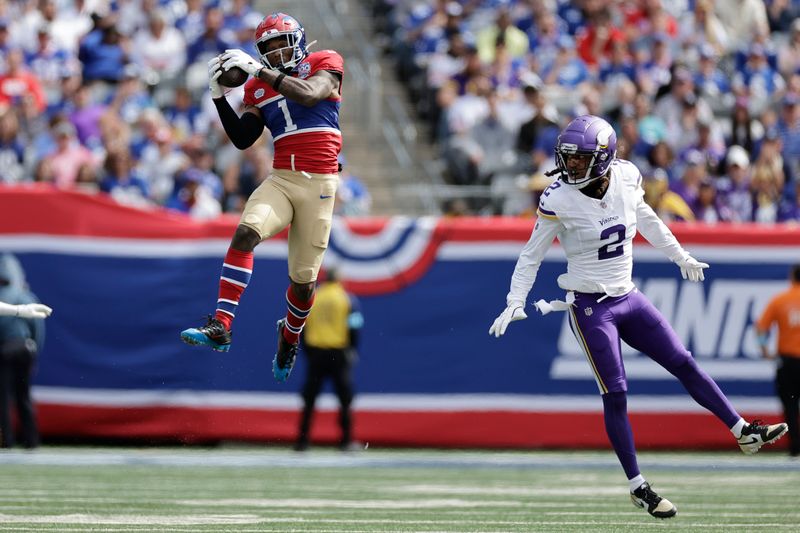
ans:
(16, 370)
(324, 364)
(787, 383)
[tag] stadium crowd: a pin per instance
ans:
(113, 97)
(704, 95)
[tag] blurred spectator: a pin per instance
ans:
(184, 115)
(758, 80)
(70, 156)
(212, 41)
(694, 173)
(789, 210)
(567, 70)
(193, 196)
(706, 208)
(352, 197)
(667, 204)
(782, 14)
(159, 161)
(596, 41)
(160, 49)
(545, 116)
(102, 52)
(735, 186)
(47, 62)
(12, 149)
(744, 130)
(768, 180)
(18, 83)
(789, 54)
(743, 20)
(789, 127)
(711, 82)
(702, 26)
(85, 114)
(122, 182)
(21, 339)
(514, 39)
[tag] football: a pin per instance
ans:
(233, 77)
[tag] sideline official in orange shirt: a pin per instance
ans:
(784, 311)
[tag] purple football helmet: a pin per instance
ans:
(591, 137)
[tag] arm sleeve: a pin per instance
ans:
(7, 309)
(530, 259)
(243, 131)
(657, 233)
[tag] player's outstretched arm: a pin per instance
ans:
(525, 274)
(658, 234)
(25, 310)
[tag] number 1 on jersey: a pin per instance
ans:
(290, 126)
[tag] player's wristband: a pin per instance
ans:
(278, 81)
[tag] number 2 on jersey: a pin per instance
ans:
(290, 126)
(605, 251)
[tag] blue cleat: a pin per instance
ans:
(285, 357)
(213, 334)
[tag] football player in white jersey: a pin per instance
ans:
(595, 209)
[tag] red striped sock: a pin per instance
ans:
(235, 275)
(295, 315)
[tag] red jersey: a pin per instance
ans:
(305, 138)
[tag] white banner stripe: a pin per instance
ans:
(644, 369)
(492, 251)
(387, 402)
(120, 247)
(240, 269)
(227, 301)
(359, 245)
(233, 281)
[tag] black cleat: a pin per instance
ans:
(646, 498)
(285, 356)
(755, 435)
(212, 334)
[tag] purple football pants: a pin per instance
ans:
(599, 327)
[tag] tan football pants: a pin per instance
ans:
(304, 200)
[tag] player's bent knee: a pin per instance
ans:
(303, 290)
(245, 238)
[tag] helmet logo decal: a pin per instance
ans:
(569, 148)
(603, 136)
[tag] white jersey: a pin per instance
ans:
(596, 234)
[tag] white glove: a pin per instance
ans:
(239, 58)
(510, 314)
(214, 72)
(33, 311)
(692, 269)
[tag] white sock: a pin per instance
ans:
(737, 428)
(636, 482)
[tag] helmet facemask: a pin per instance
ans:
(293, 41)
(578, 176)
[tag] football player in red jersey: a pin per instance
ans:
(296, 95)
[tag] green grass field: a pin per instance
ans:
(249, 489)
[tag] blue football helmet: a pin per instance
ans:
(591, 137)
(284, 26)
